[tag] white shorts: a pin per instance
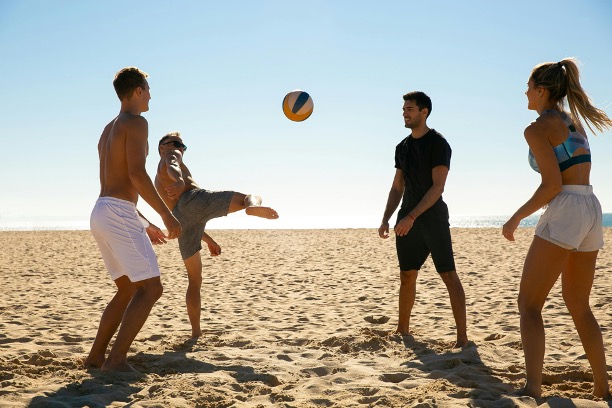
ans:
(573, 220)
(125, 246)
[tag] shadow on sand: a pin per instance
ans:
(103, 389)
(465, 369)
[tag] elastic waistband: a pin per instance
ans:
(577, 189)
(116, 201)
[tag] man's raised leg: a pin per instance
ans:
(193, 297)
(252, 206)
(147, 293)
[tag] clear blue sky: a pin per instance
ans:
(218, 74)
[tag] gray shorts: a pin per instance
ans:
(193, 210)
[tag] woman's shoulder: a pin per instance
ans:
(548, 121)
(548, 126)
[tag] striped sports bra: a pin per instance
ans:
(565, 151)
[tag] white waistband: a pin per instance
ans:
(577, 189)
(116, 201)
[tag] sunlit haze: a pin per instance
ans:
(219, 72)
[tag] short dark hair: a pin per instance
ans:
(166, 137)
(420, 99)
(127, 80)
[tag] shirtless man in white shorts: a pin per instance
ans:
(194, 207)
(124, 241)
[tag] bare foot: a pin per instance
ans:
(93, 362)
(526, 392)
(263, 212)
(402, 332)
(120, 367)
(460, 343)
(196, 333)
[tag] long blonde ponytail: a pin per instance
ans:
(562, 80)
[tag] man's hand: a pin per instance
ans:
(173, 191)
(403, 226)
(214, 248)
(156, 235)
(383, 230)
(172, 225)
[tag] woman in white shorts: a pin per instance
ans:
(569, 234)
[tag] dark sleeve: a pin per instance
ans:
(397, 156)
(441, 153)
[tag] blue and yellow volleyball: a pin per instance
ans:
(298, 105)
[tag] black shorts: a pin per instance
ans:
(427, 236)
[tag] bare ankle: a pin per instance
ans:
(251, 200)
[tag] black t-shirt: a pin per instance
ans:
(416, 158)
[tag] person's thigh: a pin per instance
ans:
(438, 239)
(411, 250)
(577, 279)
(543, 264)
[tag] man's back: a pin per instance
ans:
(112, 149)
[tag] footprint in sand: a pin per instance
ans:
(268, 379)
(494, 336)
(5, 340)
(394, 377)
(377, 319)
(318, 371)
(69, 338)
(42, 358)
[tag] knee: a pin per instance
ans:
(526, 306)
(576, 307)
(452, 282)
(239, 202)
(195, 281)
(126, 293)
(158, 290)
(408, 277)
(154, 289)
(450, 278)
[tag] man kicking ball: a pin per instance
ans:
(194, 207)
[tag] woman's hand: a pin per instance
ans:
(509, 227)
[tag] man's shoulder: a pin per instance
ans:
(438, 137)
(434, 133)
(403, 143)
(129, 121)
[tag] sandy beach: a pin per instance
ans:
(291, 318)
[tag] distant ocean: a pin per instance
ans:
(63, 224)
(498, 221)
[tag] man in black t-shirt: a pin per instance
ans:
(422, 162)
